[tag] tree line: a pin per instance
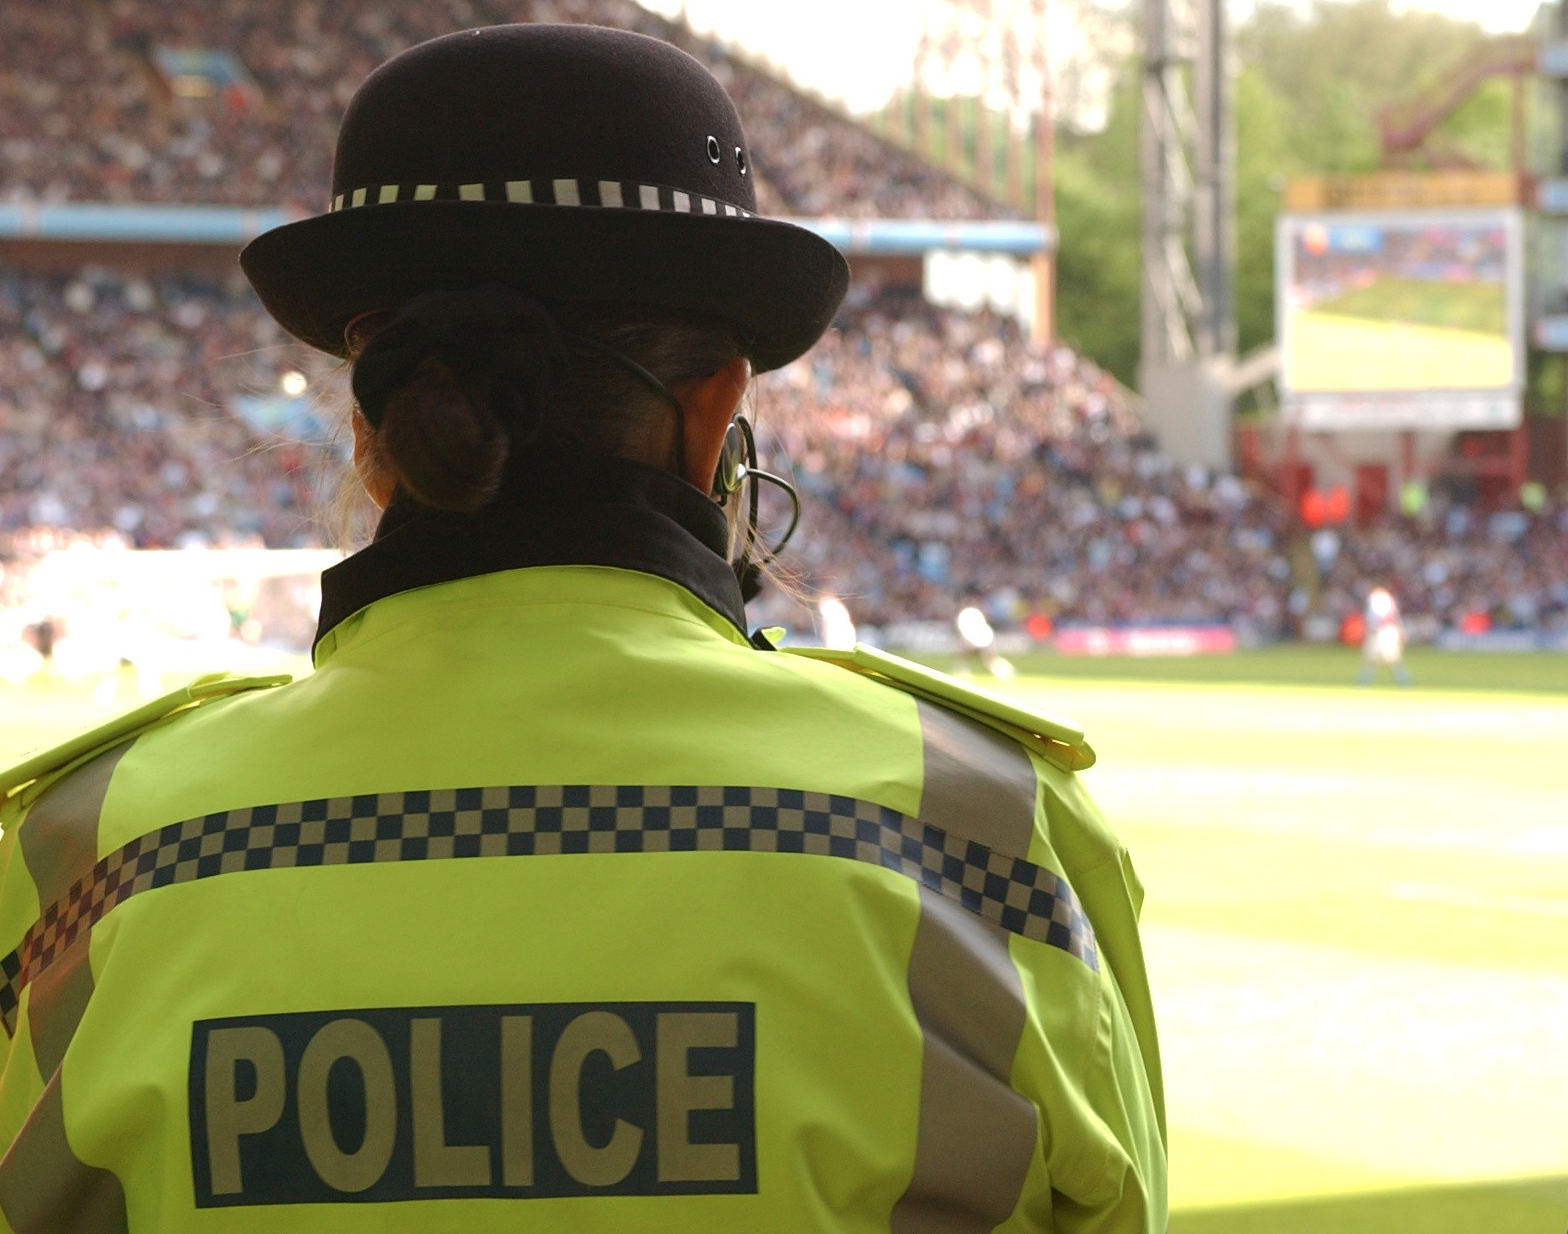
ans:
(1310, 81)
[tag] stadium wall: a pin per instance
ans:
(886, 271)
(1482, 466)
(1548, 449)
(130, 257)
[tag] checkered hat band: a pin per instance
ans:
(1017, 895)
(606, 194)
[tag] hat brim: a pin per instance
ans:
(778, 283)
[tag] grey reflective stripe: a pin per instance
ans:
(976, 1135)
(56, 1004)
(59, 836)
(964, 985)
(536, 821)
(59, 843)
(978, 784)
(46, 1189)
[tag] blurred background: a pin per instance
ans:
(1202, 379)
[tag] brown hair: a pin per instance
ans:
(458, 381)
(447, 430)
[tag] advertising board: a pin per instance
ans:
(1401, 319)
(1402, 190)
(1149, 640)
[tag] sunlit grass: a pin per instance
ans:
(1357, 932)
(1356, 926)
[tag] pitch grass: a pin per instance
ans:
(1356, 927)
(1474, 307)
(1332, 353)
(1510, 672)
(1357, 934)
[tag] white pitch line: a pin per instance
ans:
(1537, 905)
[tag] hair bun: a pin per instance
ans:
(453, 383)
(489, 334)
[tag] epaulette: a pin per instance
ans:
(1059, 743)
(48, 765)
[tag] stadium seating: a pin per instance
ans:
(116, 412)
(962, 461)
(941, 458)
(93, 109)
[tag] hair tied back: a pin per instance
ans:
(454, 382)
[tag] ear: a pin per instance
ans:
(371, 468)
(708, 405)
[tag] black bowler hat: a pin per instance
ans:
(568, 162)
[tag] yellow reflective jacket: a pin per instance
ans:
(550, 902)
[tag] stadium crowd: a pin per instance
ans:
(942, 460)
(961, 461)
(117, 411)
(86, 113)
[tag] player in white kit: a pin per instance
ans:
(1384, 641)
(977, 644)
(835, 626)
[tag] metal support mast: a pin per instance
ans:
(1189, 328)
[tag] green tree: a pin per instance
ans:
(1097, 264)
(1099, 204)
(1264, 160)
(1319, 56)
(1480, 129)
(1312, 81)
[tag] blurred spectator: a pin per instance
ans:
(942, 456)
(85, 115)
(942, 460)
(115, 412)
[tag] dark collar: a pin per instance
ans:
(563, 508)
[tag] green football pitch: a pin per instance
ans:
(1402, 334)
(1477, 307)
(1356, 926)
(1357, 933)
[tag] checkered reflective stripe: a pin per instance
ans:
(607, 194)
(1017, 895)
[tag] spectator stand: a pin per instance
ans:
(945, 457)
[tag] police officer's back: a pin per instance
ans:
(553, 900)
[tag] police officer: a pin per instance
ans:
(552, 900)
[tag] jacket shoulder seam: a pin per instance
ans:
(29, 777)
(1058, 742)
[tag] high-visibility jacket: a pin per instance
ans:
(549, 901)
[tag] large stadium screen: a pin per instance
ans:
(1401, 320)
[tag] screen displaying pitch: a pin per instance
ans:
(1384, 303)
